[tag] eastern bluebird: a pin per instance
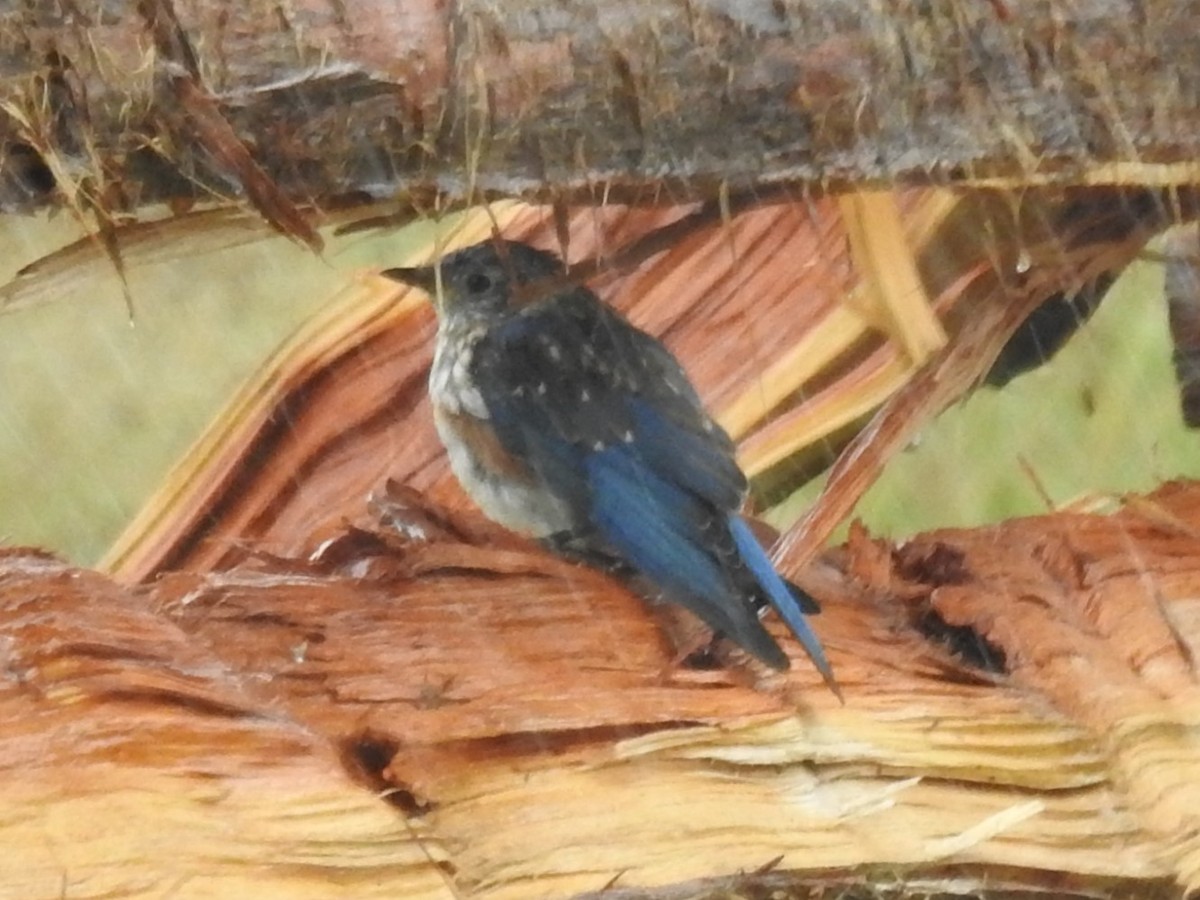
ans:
(565, 422)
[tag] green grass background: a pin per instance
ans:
(95, 409)
(1102, 417)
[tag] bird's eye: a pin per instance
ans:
(478, 282)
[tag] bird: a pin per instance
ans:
(565, 422)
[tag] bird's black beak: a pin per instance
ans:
(423, 277)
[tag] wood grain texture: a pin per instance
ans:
(440, 692)
(764, 309)
(138, 764)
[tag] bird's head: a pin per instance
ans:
(492, 277)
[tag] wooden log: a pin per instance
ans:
(441, 710)
(136, 103)
(136, 763)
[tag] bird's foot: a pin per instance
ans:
(579, 549)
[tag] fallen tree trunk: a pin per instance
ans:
(454, 713)
(141, 102)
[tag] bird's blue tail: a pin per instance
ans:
(780, 596)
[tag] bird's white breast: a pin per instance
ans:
(517, 501)
(507, 490)
(450, 383)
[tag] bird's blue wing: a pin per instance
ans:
(661, 530)
(608, 419)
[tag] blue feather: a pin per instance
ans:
(646, 518)
(780, 595)
(660, 528)
(698, 461)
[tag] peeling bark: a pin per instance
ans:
(445, 711)
(125, 104)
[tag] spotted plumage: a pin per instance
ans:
(565, 422)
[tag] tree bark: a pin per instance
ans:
(121, 105)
